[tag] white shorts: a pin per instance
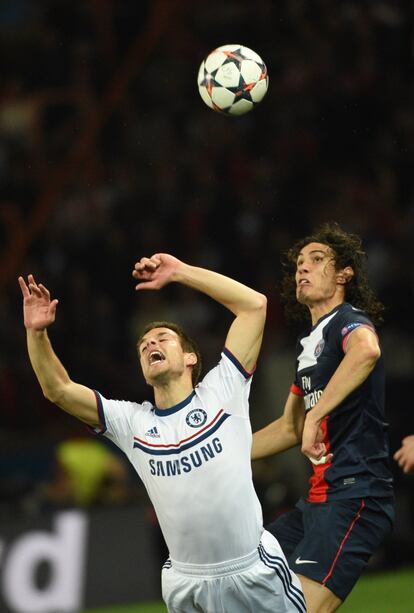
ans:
(258, 583)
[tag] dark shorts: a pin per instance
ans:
(332, 542)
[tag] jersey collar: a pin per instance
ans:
(336, 308)
(176, 407)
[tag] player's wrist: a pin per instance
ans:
(313, 417)
(36, 332)
(183, 273)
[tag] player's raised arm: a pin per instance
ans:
(39, 313)
(245, 334)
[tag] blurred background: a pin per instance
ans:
(108, 153)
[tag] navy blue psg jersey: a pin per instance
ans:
(355, 431)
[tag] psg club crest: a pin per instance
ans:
(319, 348)
(196, 418)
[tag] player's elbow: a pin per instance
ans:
(254, 305)
(260, 304)
(255, 311)
(262, 300)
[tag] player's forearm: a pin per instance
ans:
(49, 371)
(274, 438)
(235, 296)
(354, 369)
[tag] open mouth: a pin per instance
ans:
(155, 357)
(303, 282)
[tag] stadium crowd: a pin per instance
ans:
(107, 152)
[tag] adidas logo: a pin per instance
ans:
(153, 432)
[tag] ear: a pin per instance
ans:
(345, 275)
(190, 359)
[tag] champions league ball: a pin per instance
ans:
(232, 79)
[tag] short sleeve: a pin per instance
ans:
(351, 321)
(116, 417)
(230, 383)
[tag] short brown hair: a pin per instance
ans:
(187, 343)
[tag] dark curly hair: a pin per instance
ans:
(347, 249)
(187, 343)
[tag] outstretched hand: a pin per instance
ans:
(155, 272)
(38, 310)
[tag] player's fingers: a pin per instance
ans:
(53, 306)
(315, 450)
(32, 282)
(397, 454)
(139, 265)
(145, 276)
(147, 285)
(35, 290)
(407, 465)
(23, 287)
(401, 462)
(323, 459)
(138, 273)
(44, 290)
(145, 263)
(316, 462)
(156, 259)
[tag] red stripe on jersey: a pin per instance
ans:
(184, 440)
(296, 390)
(318, 486)
(351, 527)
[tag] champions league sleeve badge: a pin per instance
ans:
(349, 327)
(196, 418)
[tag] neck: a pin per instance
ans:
(171, 393)
(320, 309)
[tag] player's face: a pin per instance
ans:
(161, 355)
(316, 277)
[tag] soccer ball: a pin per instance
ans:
(232, 79)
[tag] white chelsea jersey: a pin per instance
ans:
(194, 459)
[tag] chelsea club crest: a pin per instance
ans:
(196, 418)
